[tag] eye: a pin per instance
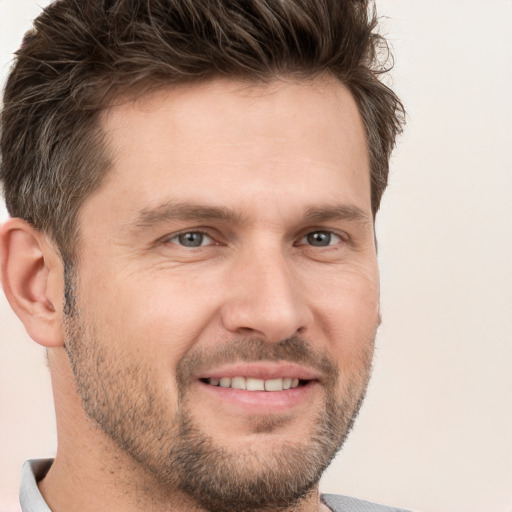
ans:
(321, 239)
(191, 239)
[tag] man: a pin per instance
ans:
(192, 189)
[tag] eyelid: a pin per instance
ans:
(342, 235)
(170, 237)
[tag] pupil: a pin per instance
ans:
(191, 239)
(319, 238)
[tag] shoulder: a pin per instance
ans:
(338, 503)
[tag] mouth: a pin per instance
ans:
(260, 387)
(254, 384)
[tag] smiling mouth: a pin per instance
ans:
(252, 384)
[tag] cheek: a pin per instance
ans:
(164, 313)
(347, 312)
(348, 297)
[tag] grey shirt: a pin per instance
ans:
(32, 501)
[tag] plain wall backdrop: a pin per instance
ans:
(435, 433)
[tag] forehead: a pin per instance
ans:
(237, 112)
(215, 141)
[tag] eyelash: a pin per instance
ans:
(194, 232)
(329, 233)
(341, 238)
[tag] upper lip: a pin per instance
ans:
(262, 370)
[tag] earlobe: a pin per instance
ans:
(31, 278)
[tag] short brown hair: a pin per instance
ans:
(82, 53)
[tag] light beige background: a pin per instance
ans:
(435, 434)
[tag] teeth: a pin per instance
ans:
(274, 385)
(251, 384)
(238, 383)
(225, 382)
(255, 384)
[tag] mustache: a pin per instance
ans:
(252, 349)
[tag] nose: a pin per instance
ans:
(265, 298)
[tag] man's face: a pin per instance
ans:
(231, 246)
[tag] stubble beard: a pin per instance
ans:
(123, 401)
(255, 479)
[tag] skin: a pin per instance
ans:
(266, 156)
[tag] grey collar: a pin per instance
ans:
(31, 499)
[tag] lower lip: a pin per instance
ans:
(262, 402)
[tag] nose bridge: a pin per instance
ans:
(265, 297)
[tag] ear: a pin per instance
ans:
(33, 282)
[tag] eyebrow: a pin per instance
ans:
(171, 211)
(340, 212)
